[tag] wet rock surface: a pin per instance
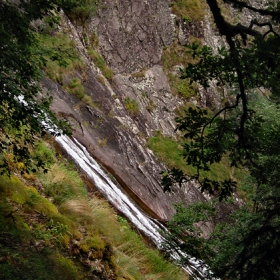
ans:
(131, 36)
(118, 141)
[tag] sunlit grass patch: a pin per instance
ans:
(189, 9)
(170, 151)
(133, 257)
(62, 183)
(173, 58)
(78, 210)
(100, 63)
(56, 213)
(131, 106)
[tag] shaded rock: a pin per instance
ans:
(189, 29)
(132, 33)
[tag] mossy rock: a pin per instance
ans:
(93, 243)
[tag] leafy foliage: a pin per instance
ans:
(231, 131)
(22, 112)
(246, 130)
(241, 248)
(80, 11)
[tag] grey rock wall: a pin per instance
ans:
(132, 33)
(131, 37)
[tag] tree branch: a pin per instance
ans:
(226, 28)
(263, 12)
(230, 31)
(255, 22)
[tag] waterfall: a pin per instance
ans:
(122, 202)
(83, 160)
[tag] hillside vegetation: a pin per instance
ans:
(52, 228)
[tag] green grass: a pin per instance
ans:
(62, 184)
(173, 58)
(61, 57)
(169, 151)
(24, 223)
(64, 65)
(76, 87)
(100, 63)
(82, 11)
(43, 225)
(133, 257)
(189, 9)
(131, 106)
(182, 87)
(43, 153)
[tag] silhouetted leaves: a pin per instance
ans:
(22, 112)
(246, 131)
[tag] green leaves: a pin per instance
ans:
(209, 67)
(19, 79)
(193, 122)
(209, 139)
(246, 131)
(80, 10)
(185, 226)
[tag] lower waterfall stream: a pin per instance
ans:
(122, 202)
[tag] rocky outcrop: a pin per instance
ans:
(188, 29)
(118, 140)
(132, 33)
(131, 37)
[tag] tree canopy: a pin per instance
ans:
(23, 112)
(246, 131)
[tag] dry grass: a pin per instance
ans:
(189, 9)
(78, 210)
(62, 212)
(134, 258)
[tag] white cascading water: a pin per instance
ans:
(121, 201)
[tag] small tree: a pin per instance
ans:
(22, 113)
(247, 132)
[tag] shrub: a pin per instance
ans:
(41, 152)
(138, 75)
(75, 87)
(183, 88)
(131, 106)
(61, 59)
(81, 10)
(100, 63)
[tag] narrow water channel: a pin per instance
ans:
(120, 200)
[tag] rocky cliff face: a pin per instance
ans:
(132, 35)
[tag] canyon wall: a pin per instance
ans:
(131, 37)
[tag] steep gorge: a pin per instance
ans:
(131, 36)
(121, 92)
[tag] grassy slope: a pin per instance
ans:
(51, 228)
(170, 151)
(167, 149)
